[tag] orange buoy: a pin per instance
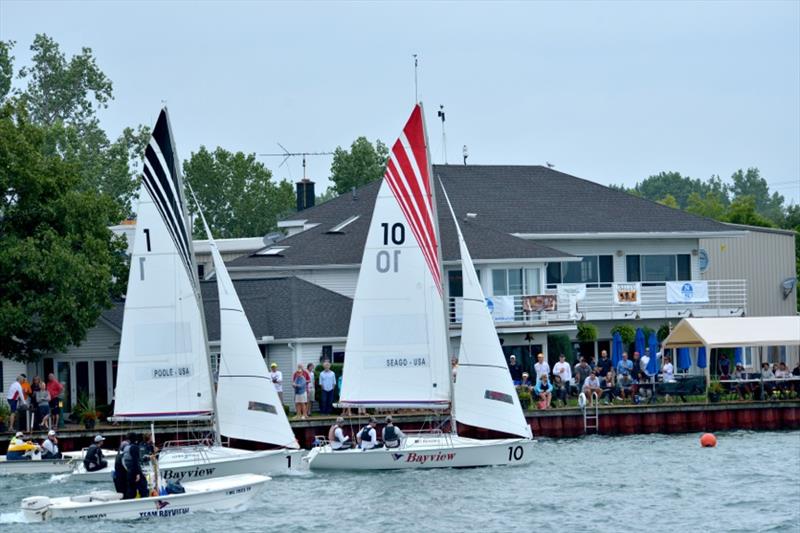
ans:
(708, 440)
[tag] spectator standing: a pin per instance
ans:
(277, 378)
(300, 386)
(668, 371)
(592, 385)
(43, 406)
(36, 386)
(312, 390)
(563, 371)
(515, 370)
(625, 366)
(55, 388)
(723, 365)
(16, 399)
(582, 371)
(541, 367)
(327, 385)
(544, 392)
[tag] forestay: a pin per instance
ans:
(163, 364)
(484, 396)
(396, 345)
(248, 406)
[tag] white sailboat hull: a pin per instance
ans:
(35, 466)
(208, 462)
(445, 451)
(210, 495)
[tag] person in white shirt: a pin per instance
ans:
(590, 385)
(368, 436)
(277, 377)
(312, 389)
(16, 399)
(541, 367)
(327, 384)
(668, 372)
(50, 446)
(563, 371)
(337, 438)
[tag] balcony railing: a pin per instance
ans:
(725, 298)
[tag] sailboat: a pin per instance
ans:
(397, 344)
(164, 362)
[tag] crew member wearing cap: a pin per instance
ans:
(277, 377)
(50, 446)
(19, 449)
(337, 438)
(93, 460)
(368, 436)
(391, 434)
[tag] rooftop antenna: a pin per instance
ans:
(465, 153)
(286, 154)
(416, 89)
(440, 114)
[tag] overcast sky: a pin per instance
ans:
(611, 92)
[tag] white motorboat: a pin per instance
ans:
(398, 333)
(36, 465)
(164, 360)
(213, 495)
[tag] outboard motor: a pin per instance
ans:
(35, 508)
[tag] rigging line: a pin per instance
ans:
(482, 366)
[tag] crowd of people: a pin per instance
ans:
(34, 405)
(304, 387)
(630, 379)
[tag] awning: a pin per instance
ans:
(735, 331)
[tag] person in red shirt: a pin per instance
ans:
(55, 389)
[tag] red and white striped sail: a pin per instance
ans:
(396, 354)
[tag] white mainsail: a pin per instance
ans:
(484, 395)
(248, 406)
(396, 353)
(163, 362)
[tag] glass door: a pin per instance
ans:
(64, 375)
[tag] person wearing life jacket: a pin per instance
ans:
(120, 475)
(93, 460)
(368, 436)
(50, 446)
(391, 434)
(337, 438)
(19, 449)
(131, 460)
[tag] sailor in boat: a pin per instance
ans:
(21, 450)
(94, 461)
(391, 434)
(131, 460)
(368, 436)
(120, 475)
(50, 446)
(337, 438)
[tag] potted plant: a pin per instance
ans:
(586, 332)
(715, 391)
(525, 398)
(89, 418)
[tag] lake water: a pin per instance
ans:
(750, 482)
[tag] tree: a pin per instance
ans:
(669, 201)
(236, 193)
(712, 205)
(364, 163)
(329, 194)
(743, 211)
(750, 183)
(60, 265)
(6, 68)
(64, 95)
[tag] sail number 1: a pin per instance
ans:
(384, 260)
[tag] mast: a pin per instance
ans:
(196, 282)
(434, 207)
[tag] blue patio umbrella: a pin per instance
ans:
(701, 357)
(684, 359)
(652, 363)
(640, 341)
(738, 356)
(616, 350)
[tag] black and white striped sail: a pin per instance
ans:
(248, 407)
(484, 395)
(163, 362)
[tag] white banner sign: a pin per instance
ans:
(501, 308)
(681, 292)
(569, 294)
(627, 293)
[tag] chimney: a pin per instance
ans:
(305, 194)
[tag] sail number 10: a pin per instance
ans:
(384, 260)
(515, 453)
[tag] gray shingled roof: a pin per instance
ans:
(285, 308)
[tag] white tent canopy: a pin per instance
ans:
(733, 332)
